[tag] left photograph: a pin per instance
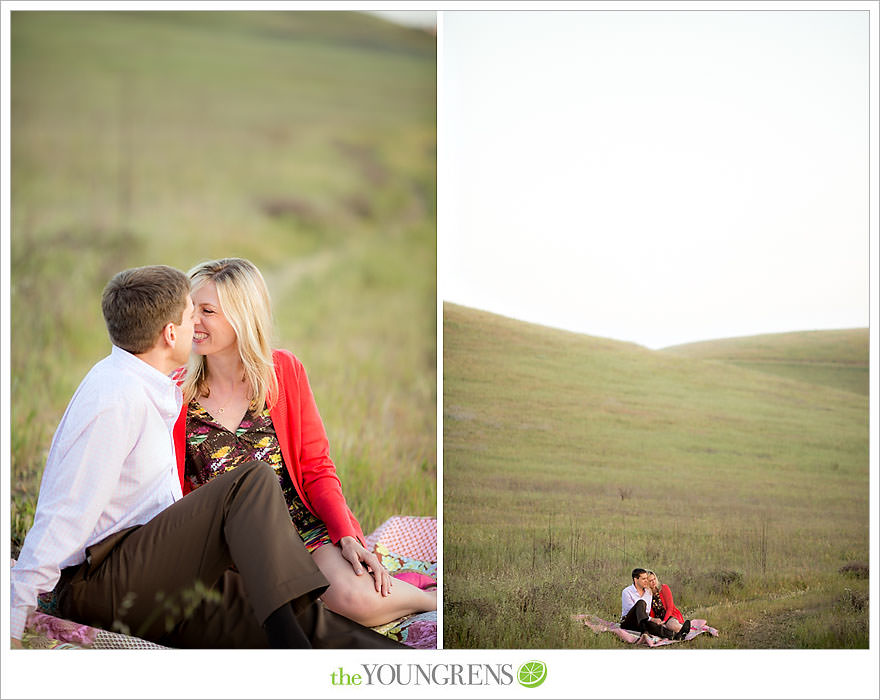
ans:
(223, 330)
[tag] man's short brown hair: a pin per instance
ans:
(138, 303)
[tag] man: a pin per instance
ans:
(636, 607)
(115, 539)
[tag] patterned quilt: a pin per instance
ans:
(406, 545)
(597, 624)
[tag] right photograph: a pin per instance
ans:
(654, 269)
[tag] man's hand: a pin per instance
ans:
(356, 555)
(16, 643)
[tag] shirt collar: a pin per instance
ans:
(164, 386)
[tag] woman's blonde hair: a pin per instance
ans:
(244, 299)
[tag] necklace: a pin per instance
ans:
(221, 409)
(232, 398)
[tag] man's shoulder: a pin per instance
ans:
(108, 383)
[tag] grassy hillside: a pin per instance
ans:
(569, 460)
(836, 358)
(305, 141)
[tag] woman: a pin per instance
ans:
(247, 402)
(663, 608)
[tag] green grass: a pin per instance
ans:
(569, 460)
(305, 142)
(837, 358)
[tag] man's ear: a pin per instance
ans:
(169, 334)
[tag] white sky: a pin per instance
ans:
(421, 19)
(656, 176)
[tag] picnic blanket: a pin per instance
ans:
(407, 547)
(597, 624)
(409, 534)
(412, 537)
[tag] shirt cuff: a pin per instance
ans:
(17, 621)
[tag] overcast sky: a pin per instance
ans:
(655, 176)
(421, 19)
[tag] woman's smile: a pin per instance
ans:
(209, 314)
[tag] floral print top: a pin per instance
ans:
(212, 449)
(657, 607)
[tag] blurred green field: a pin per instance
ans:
(569, 460)
(837, 358)
(304, 141)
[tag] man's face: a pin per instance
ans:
(642, 581)
(184, 334)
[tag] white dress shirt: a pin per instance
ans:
(630, 596)
(111, 465)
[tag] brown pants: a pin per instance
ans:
(232, 537)
(639, 620)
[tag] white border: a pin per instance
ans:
(572, 673)
(440, 158)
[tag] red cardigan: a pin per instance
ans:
(304, 447)
(669, 604)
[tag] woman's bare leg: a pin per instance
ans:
(671, 624)
(356, 597)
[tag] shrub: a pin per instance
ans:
(854, 569)
(856, 601)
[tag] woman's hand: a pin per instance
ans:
(356, 555)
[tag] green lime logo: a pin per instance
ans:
(531, 674)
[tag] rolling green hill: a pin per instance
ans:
(569, 460)
(304, 141)
(837, 358)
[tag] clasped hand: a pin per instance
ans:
(363, 561)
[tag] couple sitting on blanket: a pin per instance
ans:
(647, 607)
(161, 479)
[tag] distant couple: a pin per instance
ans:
(161, 481)
(647, 607)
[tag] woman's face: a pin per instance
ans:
(652, 581)
(213, 333)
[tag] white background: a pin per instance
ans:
(629, 673)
